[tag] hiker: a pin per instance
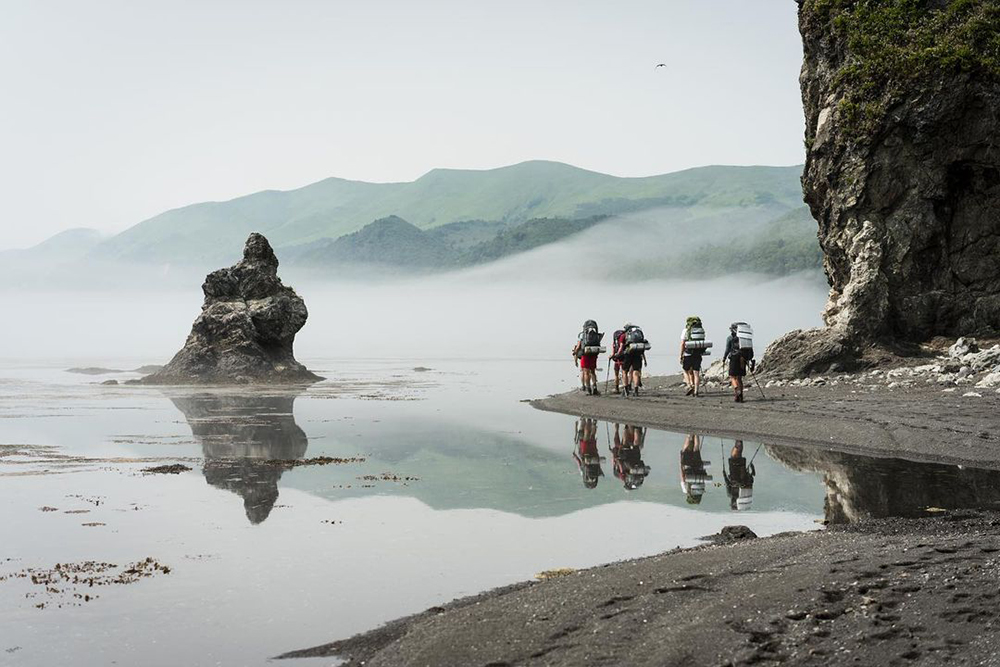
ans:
(739, 480)
(585, 353)
(739, 353)
(737, 367)
(617, 350)
(694, 473)
(588, 458)
(633, 357)
(627, 457)
(693, 347)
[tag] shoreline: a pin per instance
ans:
(884, 589)
(919, 423)
(891, 591)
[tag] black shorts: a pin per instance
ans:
(737, 368)
(632, 361)
(691, 362)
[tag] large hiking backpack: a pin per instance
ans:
(591, 337)
(590, 340)
(744, 334)
(617, 344)
(635, 340)
(694, 338)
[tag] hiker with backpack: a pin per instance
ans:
(693, 348)
(739, 353)
(585, 353)
(617, 350)
(633, 357)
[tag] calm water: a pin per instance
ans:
(461, 488)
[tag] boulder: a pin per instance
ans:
(963, 346)
(246, 328)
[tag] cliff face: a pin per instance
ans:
(902, 173)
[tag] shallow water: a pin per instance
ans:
(461, 488)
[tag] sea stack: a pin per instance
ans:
(246, 329)
(902, 175)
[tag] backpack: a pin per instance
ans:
(694, 332)
(693, 321)
(634, 336)
(617, 342)
(591, 337)
(744, 339)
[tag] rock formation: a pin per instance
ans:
(902, 174)
(246, 328)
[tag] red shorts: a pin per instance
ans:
(589, 361)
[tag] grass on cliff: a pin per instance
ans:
(890, 43)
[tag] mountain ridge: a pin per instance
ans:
(333, 207)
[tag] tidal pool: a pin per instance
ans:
(307, 516)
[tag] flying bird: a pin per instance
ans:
(660, 65)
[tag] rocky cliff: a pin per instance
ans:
(902, 174)
(246, 328)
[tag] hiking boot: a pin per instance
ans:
(689, 392)
(597, 392)
(628, 391)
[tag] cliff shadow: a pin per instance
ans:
(245, 439)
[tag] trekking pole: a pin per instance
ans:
(607, 378)
(757, 382)
(754, 455)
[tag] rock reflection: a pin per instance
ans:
(626, 453)
(859, 487)
(244, 437)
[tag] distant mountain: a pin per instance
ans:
(204, 234)
(390, 241)
(64, 246)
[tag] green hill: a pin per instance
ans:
(210, 232)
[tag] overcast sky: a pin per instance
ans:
(115, 111)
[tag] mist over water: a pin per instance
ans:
(481, 313)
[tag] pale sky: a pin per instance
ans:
(114, 111)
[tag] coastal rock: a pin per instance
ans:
(902, 177)
(962, 347)
(246, 328)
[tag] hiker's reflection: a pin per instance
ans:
(739, 478)
(694, 472)
(588, 458)
(626, 456)
(245, 440)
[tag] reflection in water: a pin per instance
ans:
(694, 470)
(859, 487)
(244, 438)
(588, 458)
(739, 478)
(626, 453)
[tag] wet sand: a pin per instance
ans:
(916, 423)
(894, 591)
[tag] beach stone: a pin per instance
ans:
(734, 534)
(990, 381)
(246, 328)
(962, 347)
(981, 361)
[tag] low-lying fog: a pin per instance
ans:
(479, 313)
